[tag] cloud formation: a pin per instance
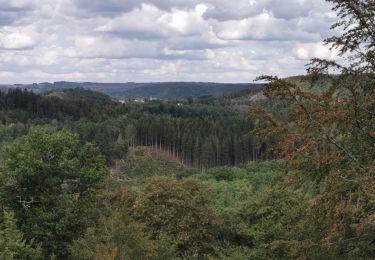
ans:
(159, 40)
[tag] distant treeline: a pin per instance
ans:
(160, 90)
(199, 135)
(98, 122)
(29, 105)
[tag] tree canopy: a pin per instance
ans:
(47, 179)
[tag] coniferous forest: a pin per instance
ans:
(283, 170)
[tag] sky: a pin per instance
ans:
(160, 40)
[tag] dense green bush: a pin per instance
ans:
(47, 180)
(226, 173)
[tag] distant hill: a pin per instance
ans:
(183, 90)
(323, 82)
(157, 90)
(248, 97)
(78, 94)
(168, 90)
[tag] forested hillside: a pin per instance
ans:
(157, 90)
(284, 170)
(78, 94)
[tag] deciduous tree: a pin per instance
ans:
(48, 180)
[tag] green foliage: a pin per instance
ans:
(117, 234)
(227, 196)
(12, 244)
(264, 174)
(268, 218)
(119, 237)
(10, 132)
(176, 90)
(226, 173)
(21, 105)
(260, 174)
(260, 209)
(78, 94)
(199, 136)
(181, 210)
(142, 163)
(318, 205)
(160, 90)
(48, 180)
(107, 135)
(187, 172)
(120, 148)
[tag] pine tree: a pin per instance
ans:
(120, 147)
(12, 243)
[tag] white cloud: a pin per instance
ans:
(18, 37)
(12, 5)
(141, 21)
(263, 26)
(148, 21)
(185, 22)
(307, 51)
(6, 74)
(159, 40)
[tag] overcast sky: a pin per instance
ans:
(159, 40)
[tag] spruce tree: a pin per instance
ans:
(12, 243)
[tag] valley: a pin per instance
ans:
(278, 167)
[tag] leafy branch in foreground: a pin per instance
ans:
(330, 135)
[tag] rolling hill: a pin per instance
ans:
(78, 94)
(157, 90)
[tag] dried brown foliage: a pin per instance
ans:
(330, 136)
